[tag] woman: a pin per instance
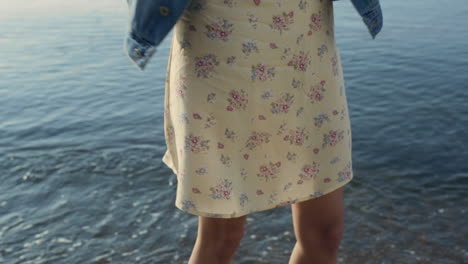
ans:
(256, 117)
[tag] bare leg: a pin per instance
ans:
(318, 226)
(217, 240)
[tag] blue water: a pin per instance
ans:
(81, 141)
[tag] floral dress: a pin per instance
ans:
(255, 111)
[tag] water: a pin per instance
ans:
(81, 141)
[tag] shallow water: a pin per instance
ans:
(81, 141)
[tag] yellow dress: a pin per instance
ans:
(255, 113)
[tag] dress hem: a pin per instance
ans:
(169, 163)
(271, 206)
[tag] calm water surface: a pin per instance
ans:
(81, 141)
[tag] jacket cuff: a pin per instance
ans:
(373, 19)
(138, 50)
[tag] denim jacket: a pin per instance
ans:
(150, 21)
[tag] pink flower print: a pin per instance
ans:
(261, 117)
(257, 2)
(196, 143)
(335, 112)
(269, 171)
(300, 61)
(316, 150)
(221, 29)
(237, 100)
(220, 145)
(346, 173)
(315, 21)
(262, 73)
(297, 136)
(205, 65)
(316, 92)
(273, 45)
(332, 138)
(282, 104)
(196, 116)
(222, 190)
(326, 180)
(246, 156)
(192, 28)
(256, 139)
(281, 22)
(259, 192)
(195, 190)
(309, 171)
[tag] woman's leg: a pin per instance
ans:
(217, 240)
(318, 226)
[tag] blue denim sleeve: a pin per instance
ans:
(371, 14)
(150, 22)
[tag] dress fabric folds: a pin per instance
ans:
(255, 111)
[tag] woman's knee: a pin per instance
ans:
(223, 232)
(332, 236)
(327, 236)
(319, 223)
